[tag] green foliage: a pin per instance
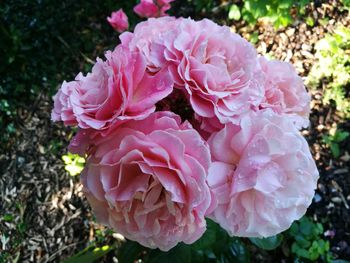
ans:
(234, 12)
(310, 21)
(307, 241)
(333, 67)
(179, 254)
(269, 243)
(277, 12)
(74, 164)
(7, 218)
(214, 246)
(44, 42)
(346, 4)
(129, 252)
(90, 254)
(304, 239)
(334, 139)
(202, 5)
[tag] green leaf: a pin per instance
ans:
(310, 21)
(294, 229)
(234, 12)
(208, 239)
(222, 241)
(7, 218)
(340, 136)
(326, 139)
(335, 149)
(301, 252)
(254, 37)
(285, 4)
(237, 252)
(318, 230)
(129, 252)
(302, 241)
(90, 254)
(306, 227)
(179, 254)
(268, 243)
(283, 21)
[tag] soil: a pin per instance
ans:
(47, 216)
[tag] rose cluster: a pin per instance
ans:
(234, 154)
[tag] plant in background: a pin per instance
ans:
(308, 242)
(333, 68)
(346, 4)
(28, 72)
(74, 164)
(277, 12)
(214, 246)
(333, 139)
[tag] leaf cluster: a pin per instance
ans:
(334, 140)
(333, 69)
(215, 246)
(277, 12)
(307, 241)
(74, 164)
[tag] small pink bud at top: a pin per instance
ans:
(150, 8)
(118, 20)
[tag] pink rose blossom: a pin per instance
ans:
(119, 20)
(263, 175)
(116, 90)
(285, 91)
(153, 178)
(63, 108)
(215, 67)
(147, 180)
(147, 38)
(152, 8)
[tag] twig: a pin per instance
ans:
(60, 250)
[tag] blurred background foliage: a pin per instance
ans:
(44, 42)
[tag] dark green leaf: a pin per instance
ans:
(268, 243)
(335, 150)
(302, 241)
(208, 238)
(90, 254)
(129, 252)
(238, 252)
(179, 254)
(340, 136)
(306, 227)
(7, 218)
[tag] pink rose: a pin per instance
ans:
(285, 91)
(119, 20)
(216, 68)
(152, 8)
(116, 90)
(263, 176)
(147, 38)
(63, 109)
(147, 180)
